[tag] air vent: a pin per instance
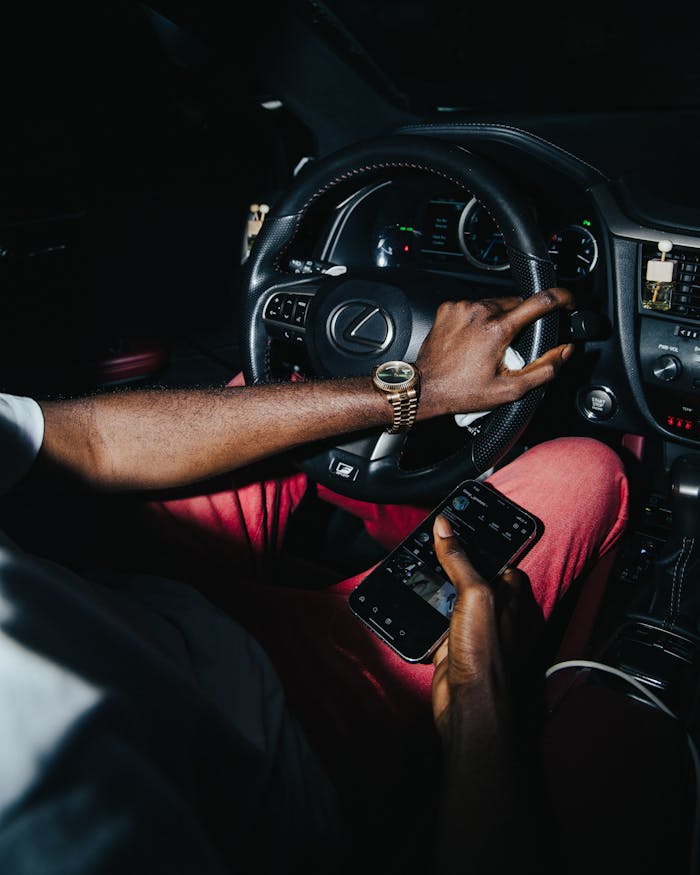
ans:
(685, 294)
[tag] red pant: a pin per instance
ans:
(362, 706)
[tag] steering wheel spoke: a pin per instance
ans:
(372, 447)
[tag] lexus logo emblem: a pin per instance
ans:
(360, 327)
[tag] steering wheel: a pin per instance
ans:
(326, 311)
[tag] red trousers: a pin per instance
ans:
(368, 713)
(365, 710)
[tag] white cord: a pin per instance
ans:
(657, 703)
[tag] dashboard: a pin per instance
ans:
(411, 224)
(638, 372)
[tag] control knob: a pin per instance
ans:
(667, 368)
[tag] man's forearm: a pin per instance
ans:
(164, 438)
(489, 813)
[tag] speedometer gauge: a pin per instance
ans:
(574, 252)
(480, 238)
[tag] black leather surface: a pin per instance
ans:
(670, 597)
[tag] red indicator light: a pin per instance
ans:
(406, 248)
(679, 423)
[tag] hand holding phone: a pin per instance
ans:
(407, 600)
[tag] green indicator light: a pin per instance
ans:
(405, 228)
(586, 223)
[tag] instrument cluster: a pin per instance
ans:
(457, 230)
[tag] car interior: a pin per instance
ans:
(190, 193)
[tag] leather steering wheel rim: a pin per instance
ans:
(382, 479)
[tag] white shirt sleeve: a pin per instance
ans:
(21, 434)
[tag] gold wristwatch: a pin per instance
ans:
(399, 382)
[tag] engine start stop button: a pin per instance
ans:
(597, 403)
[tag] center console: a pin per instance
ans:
(669, 340)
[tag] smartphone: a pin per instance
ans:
(407, 600)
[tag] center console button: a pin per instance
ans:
(667, 368)
(597, 403)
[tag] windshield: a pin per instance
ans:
(447, 55)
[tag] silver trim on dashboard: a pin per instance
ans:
(344, 211)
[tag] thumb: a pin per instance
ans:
(452, 557)
(473, 638)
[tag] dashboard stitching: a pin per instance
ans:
(526, 134)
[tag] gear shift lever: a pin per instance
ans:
(671, 595)
(659, 641)
(685, 496)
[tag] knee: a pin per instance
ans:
(588, 473)
(571, 473)
(588, 457)
(572, 470)
(573, 484)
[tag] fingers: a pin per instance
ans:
(473, 638)
(512, 385)
(478, 334)
(462, 573)
(452, 557)
(509, 588)
(474, 611)
(543, 369)
(536, 306)
(508, 314)
(515, 580)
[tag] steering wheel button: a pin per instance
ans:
(300, 309)
(343, 470)
(287, 309)
(274, 307)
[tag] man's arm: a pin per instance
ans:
(490, 818)
(164, 438)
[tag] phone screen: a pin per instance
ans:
(407, 599)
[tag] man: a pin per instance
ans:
(144, 730)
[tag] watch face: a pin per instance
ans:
(395, 373)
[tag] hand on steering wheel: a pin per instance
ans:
(461, 358)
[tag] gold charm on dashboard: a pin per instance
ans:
(659, 284)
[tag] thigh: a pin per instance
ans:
(577, 487)
(236, 525)
(366, 712)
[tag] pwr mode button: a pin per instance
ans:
(597, 403)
